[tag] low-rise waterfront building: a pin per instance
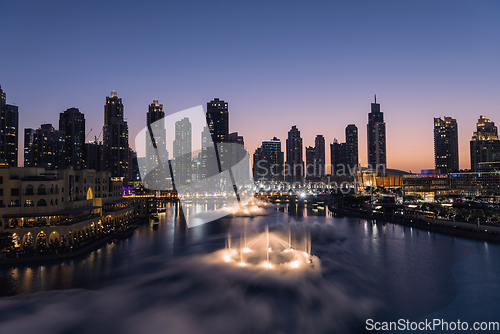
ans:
(378, 177)
(53, 208)
(483, 183)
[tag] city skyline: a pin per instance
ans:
(21, 157)
(316, 71)
(130, 132)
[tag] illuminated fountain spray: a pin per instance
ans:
(270, 250)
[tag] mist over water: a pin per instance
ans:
(176, 280)
(202, 293)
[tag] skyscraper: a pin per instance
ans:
(272, 151)
(319, 156)
(338, 157)
(351, 141)
(9, 125)
(310, 163)
(376, 136)
(182, 152)
(485, 143)
(258, 171)
(116, 153)
(207, 154)
(72, 123)
(344, 156)
(48, 149)
(236, 153)
(218, 125)
(28, 143)
(93, 155)
(294, 157)
(155, 113)
(268, 161)
(218, 120)
(446, 144)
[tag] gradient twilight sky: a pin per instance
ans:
(312, 64)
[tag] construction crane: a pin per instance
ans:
(97, 138)
(88, 134)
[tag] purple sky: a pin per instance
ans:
(316, 65)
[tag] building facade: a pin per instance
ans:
(376, 131)
(218, 120)
(218, 125)
(48, 148)
(182, 152)
(72, 123)
(93, 156)
(484, 184)
(485, 143)
(28, 142)
(310, 163)
(236, 153)
(116, 152)
(351, 141)
(9, 128)
(344, 156)
(155, 113)
(268, 161)
(338, 157)
(319, 157)
(294, 168)
(446, 144)
(59, 208)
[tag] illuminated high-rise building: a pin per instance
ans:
(485, 143)
(48, 148)
(93, 155)
(207, 154)
(294, 169)
(351, 141)
(338, 157)
(218, 120)
(218, 125)
(310, 163)
(28, 142)
(116, 152)
(446, 144)
(344, 156)
(376, 136)
(9, 126)
(182, 152)
(319, 156)
(258, 171)
(72, 123)
(155, 114)
(268, 161)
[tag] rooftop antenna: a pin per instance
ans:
(375, 98)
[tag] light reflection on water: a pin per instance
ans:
(412, 273)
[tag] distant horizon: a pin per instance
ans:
(277, 64)
(362, 145)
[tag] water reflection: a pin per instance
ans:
(411, 273)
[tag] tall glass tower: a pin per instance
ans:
(9, 126)
(351, 141)
(485, 143)
(116, 152)
(446, 144)
(376, 136)
(72, 123)
(155, 113)
(294, 156)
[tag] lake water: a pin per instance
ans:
(368, 270)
